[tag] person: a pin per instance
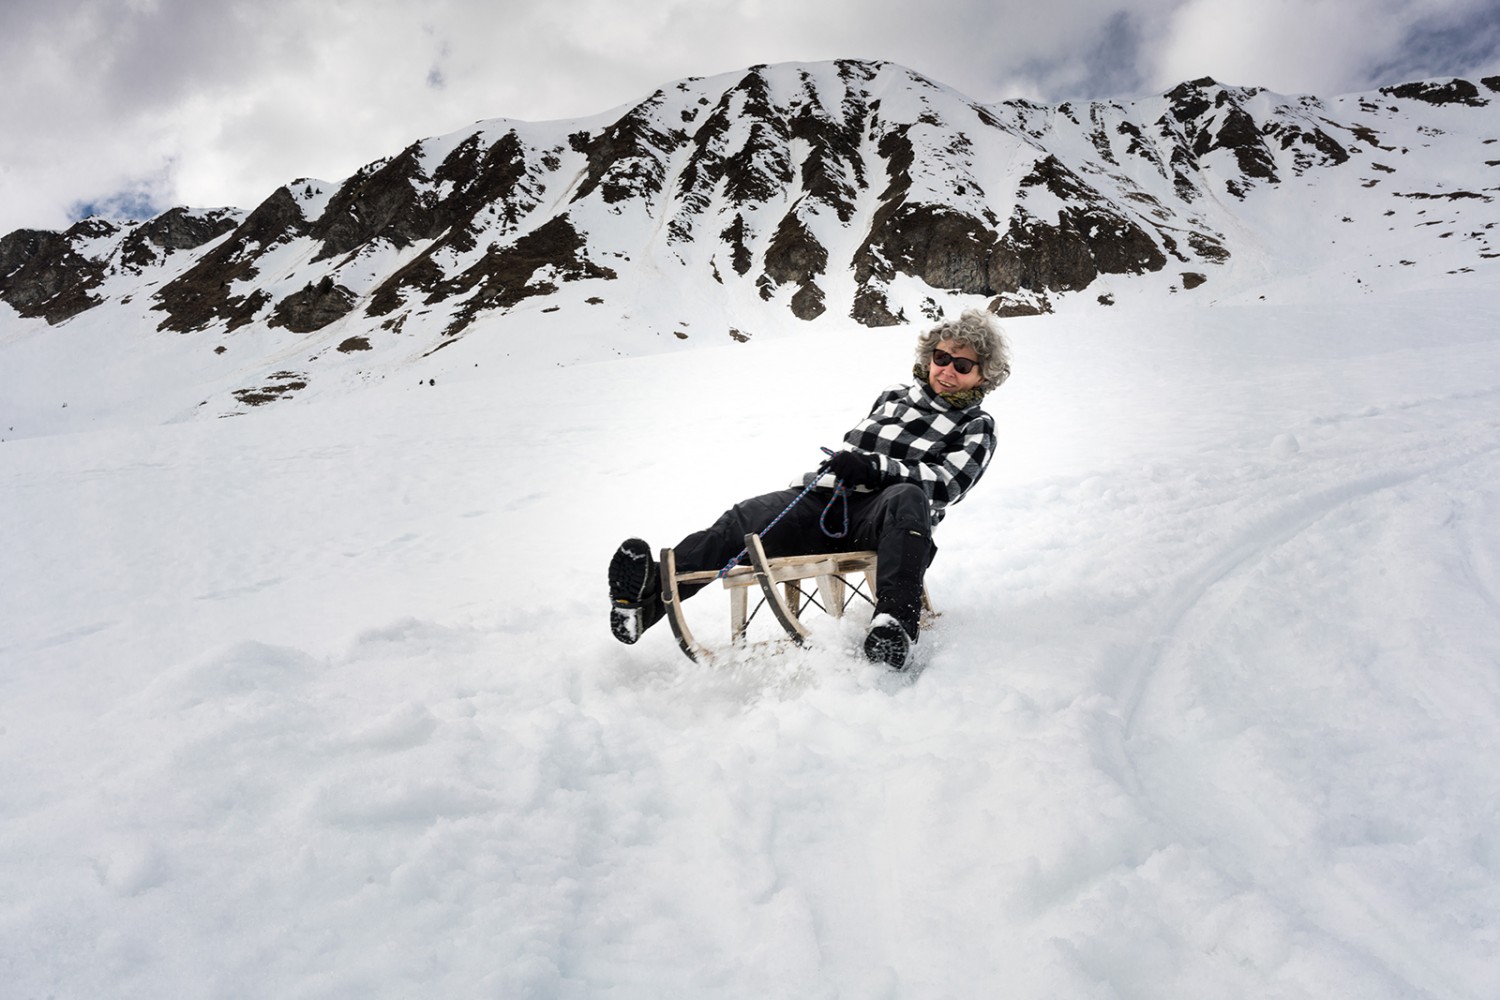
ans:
(921, 449)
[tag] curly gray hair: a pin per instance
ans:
(977, 329)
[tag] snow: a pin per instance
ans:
(312, 196)
(321, 700)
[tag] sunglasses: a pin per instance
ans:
(961, 365)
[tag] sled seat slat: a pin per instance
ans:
(786, 568)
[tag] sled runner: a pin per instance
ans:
(782, 586)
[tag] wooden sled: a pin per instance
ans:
(780, 586)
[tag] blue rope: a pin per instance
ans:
(839, 493)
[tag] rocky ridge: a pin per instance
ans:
(856, 189)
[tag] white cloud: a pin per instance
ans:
(217, 102)
(1312, 46)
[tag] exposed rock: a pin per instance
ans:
(1021, 304)
(1310, 147)
(493, 185)
(282, 384)
(1207, 247)
(503, 277)
(1240, 136)
(807, 303)
(794, 256)
(487, 184)
(1090, 237)
(1452, 92)
(1036, 256)
(702, 171)
(173, 230)
(422, 274)
(948, 249)
(314, 307)
(41, 275)
(1202, 117)
(383, 202)
(1140, 146)
(739, 253)
(761, 169)
(833, 172)
(944, 248)
(1116, 244)
(871, 308)
(627, 160)
(1188, 99)
(203, 295)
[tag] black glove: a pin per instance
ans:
(856, 468)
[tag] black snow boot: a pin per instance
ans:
(889, 642)
(634, 591)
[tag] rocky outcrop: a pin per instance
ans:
(41, 274)
(504, 276)
(944, 248)
(794, 256)
(174, 230)
(492, 190)
(1203, 117)
(740, 155)
(314, 307)
(1448, 92)
(205, 294)
(53, 276)
(951, 250)
(388, 202)
(626, 160)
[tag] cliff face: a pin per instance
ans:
(845, 189)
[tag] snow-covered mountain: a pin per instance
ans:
(830, 190)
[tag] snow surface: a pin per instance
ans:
(321, 701)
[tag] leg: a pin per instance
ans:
(896, 523)
(795, 534)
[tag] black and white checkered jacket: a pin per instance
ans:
(919, 437)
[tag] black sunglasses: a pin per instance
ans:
(961, 365)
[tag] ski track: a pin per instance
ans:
(1252, 545)
(1184, 620)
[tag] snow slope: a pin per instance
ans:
(321, 702)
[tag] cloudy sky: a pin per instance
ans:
(128, 107)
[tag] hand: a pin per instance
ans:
(856, 468)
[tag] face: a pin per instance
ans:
(947, 378)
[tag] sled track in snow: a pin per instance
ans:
(1253, 546)
(1241, 845)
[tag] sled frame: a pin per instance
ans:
(839, 578)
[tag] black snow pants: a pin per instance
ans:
(895, 522)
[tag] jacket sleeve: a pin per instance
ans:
(947, 473)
